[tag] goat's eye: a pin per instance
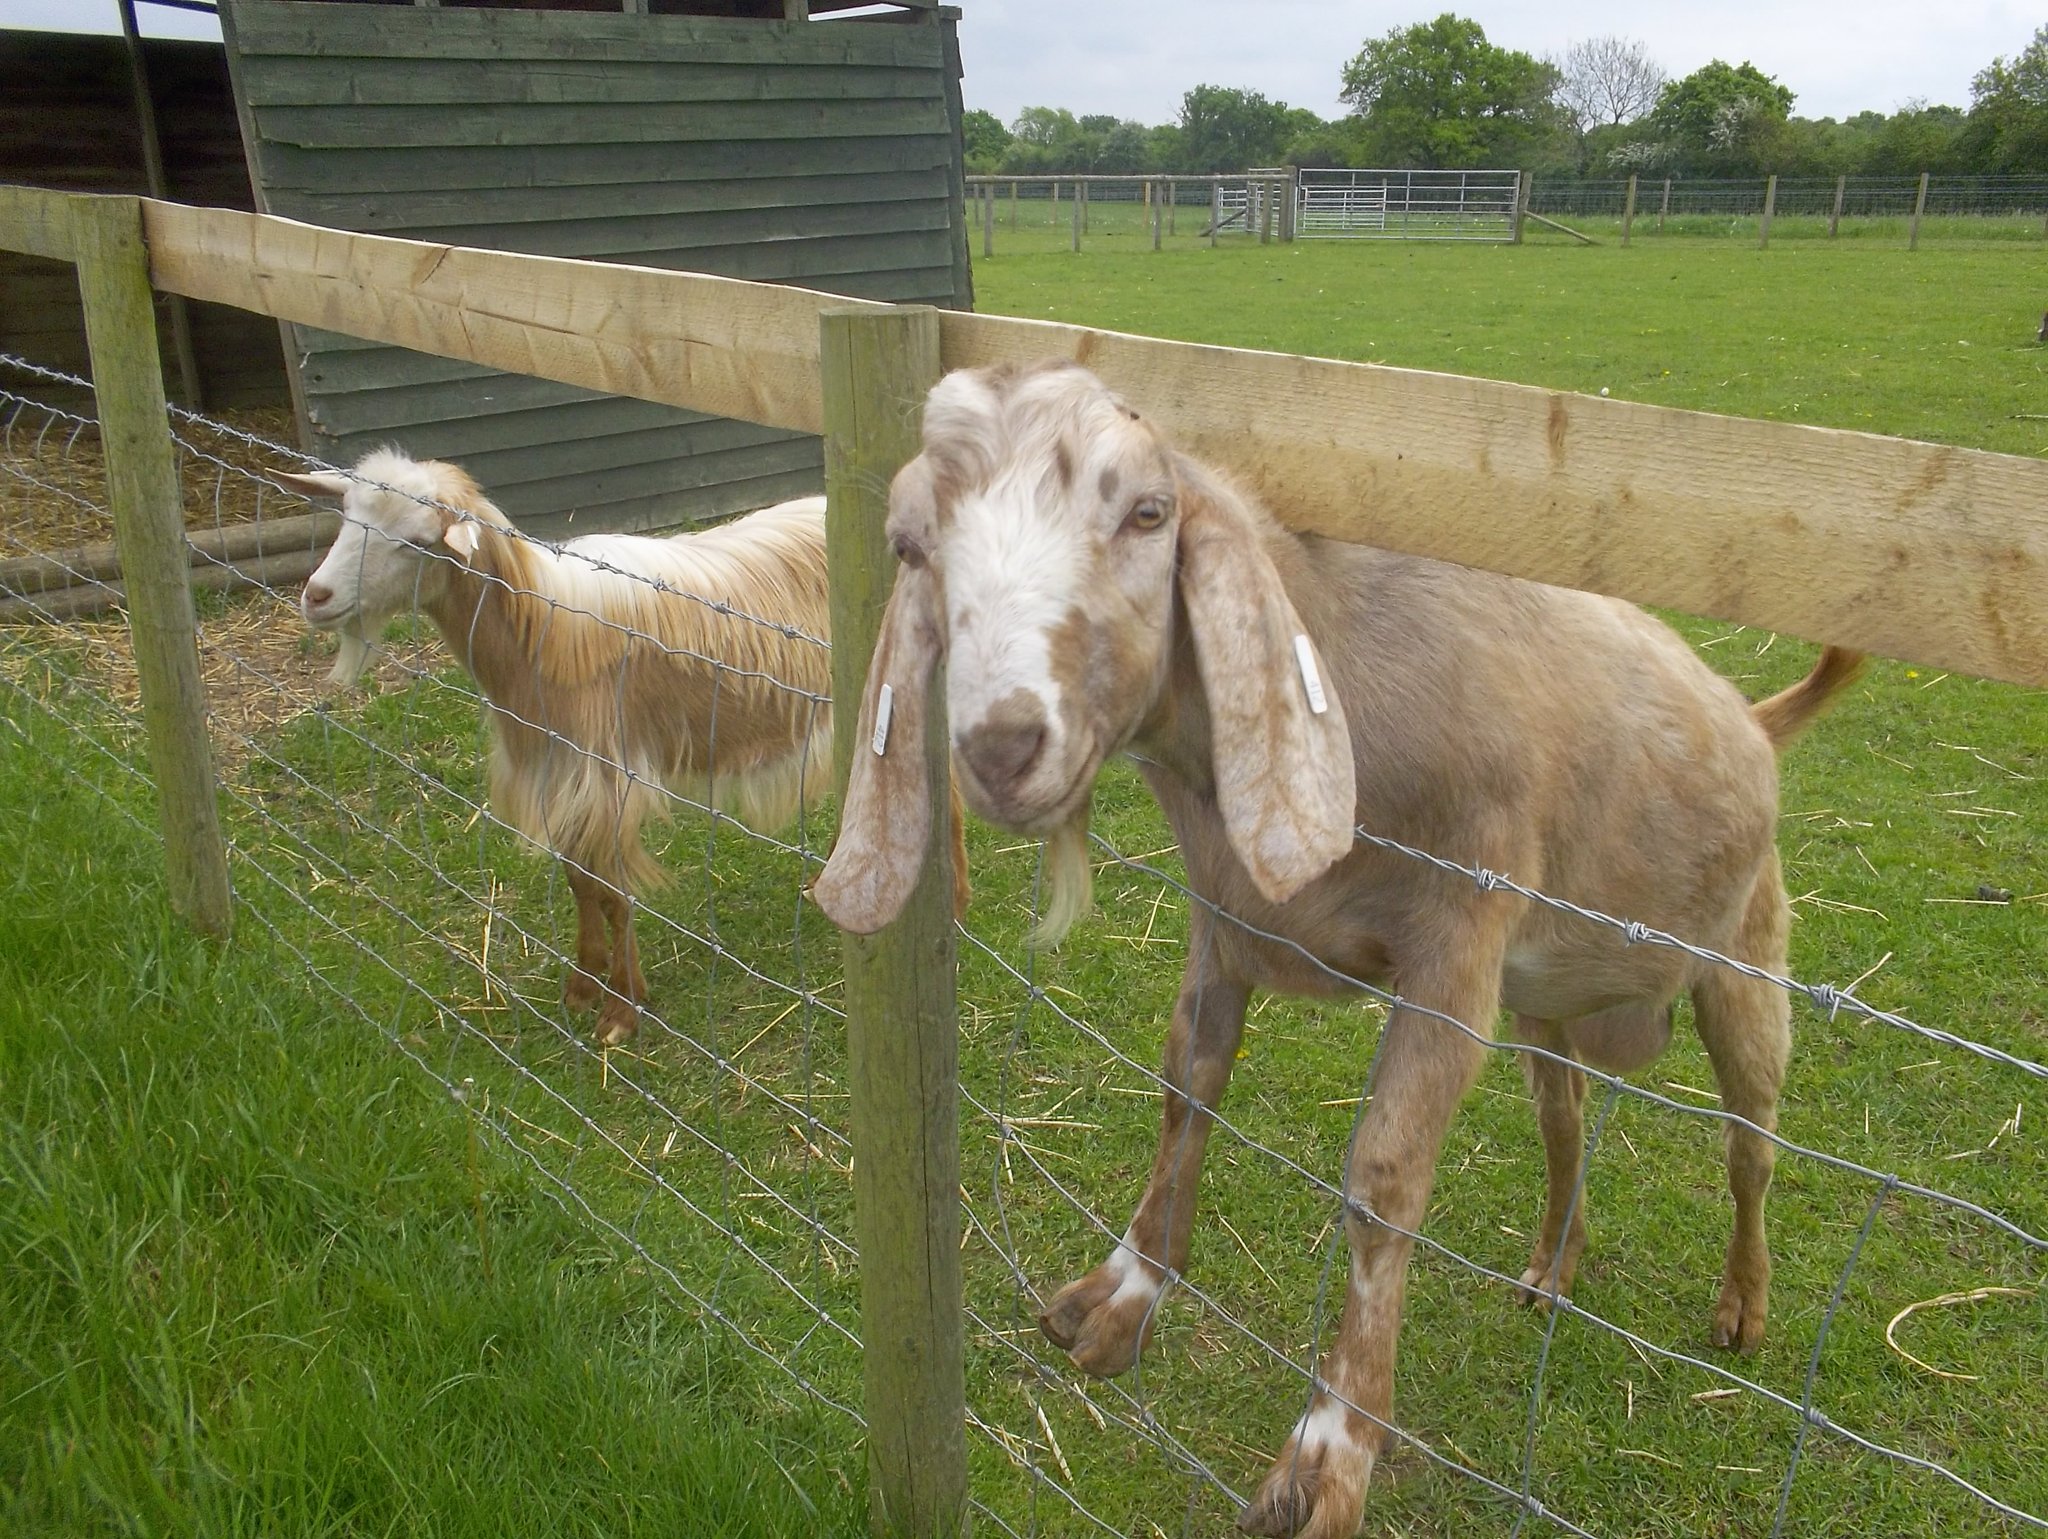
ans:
(1147, 514)
(908, 551)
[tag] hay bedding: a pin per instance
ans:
(259, 665)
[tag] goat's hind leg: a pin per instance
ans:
(584, 984)
(1560, 1093)
(1746, 1025)
(1103, 1320)
(618, 1017)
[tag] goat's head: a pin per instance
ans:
(1043, 535)
(399, 532)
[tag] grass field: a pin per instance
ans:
(279, 1283)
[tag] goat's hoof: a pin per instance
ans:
(1545, 1278)
(1102, 1321)
(1739, 1318)
(581, 991)
(618, 1022)
(1316, 1488)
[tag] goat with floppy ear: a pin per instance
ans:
(1092, 592)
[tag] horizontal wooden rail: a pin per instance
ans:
(301, 532)
(1917, 551)
(719, 345)
(36, 221)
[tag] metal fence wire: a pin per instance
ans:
(712, 1152)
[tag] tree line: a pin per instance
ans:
(1438, 94)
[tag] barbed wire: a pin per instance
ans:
(342, 822)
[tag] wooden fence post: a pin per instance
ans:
(1215, 208)
(1763, 234)
(1664, 208)
(1052, 213)
(1628, 212)
(902, 1026)
(1835, 218)
(149, 529)
(1521, 214)
(1919, 208)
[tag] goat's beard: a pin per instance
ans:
(354, 655)
(1067, 882)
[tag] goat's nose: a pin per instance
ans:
(1005, 744)
(318, 593)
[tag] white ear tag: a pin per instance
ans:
(883, 707)
(1311, 681)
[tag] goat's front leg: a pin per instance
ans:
(585, 983)
(1317, 1485)
(1104, 1319)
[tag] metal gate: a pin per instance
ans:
(1406, 205)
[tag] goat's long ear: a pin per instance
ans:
(1285, 780)
(885, 823)
(323, 484)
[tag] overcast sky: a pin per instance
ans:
(1133, 58)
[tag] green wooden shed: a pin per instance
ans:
(771, 140)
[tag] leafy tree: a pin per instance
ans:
(1044, 127)
(985, 140)
(2009, 110)
(1222, 129)
(1439, 94)
(1722, 120)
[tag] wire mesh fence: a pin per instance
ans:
(711, 1149)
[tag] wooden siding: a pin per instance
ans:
(67, 120)
(822, 154)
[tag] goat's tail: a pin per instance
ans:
(1787, 714)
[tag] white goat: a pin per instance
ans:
(602, 688)
(1093, 591)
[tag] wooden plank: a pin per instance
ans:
(365, 32)
(402, 213)
(289, 170)
(443, 81)
(674, 475)
(718, 345)
(35, 222)
(280, 570)
(630, 235)
(486, 453)
(661, 123)
(1917, 551)
(229, 543)
(142, 492)
(902, 1027)
(693, 507)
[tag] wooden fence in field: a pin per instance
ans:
(1914, 551)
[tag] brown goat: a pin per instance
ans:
(1093, 591)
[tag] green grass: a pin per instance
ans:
(262, 1279)
(294, 1080)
